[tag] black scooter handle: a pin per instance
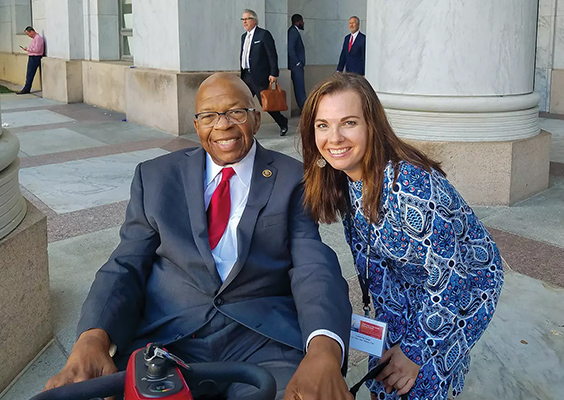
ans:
(223, 372)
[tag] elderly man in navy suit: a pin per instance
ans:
(297, 59)
(219, 261)
(353, 54)
(259, 62)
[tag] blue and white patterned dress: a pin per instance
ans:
(435, 275)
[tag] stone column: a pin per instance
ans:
(101, 30)
(172, 55)
(24, 275)
(12, 203)
(61, 71)
(456, 79)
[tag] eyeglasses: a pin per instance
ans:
(246, 19)
(234, 116)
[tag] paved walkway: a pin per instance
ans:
(76, 165)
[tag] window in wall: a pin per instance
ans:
(126, 29)
(21, 15)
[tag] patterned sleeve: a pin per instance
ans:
(460, 289)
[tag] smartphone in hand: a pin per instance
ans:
(22, 47)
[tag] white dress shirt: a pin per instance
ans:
(247, 50)
(354, 35)
(225, 253)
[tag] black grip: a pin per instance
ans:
(240, 372)
(104, 386)
(111, 385)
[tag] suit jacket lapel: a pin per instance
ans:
(256, 37)
(193, 179)
(259, 193)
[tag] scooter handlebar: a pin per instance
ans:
(104, 386)
(241, 372)
(110, 385)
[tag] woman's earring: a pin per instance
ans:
(321, 163)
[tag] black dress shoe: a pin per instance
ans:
(283, 131)
(22, 92)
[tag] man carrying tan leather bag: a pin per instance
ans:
(273, 98)
(259, 62)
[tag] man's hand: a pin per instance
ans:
(25, 48)
(318, 376)
(400, 373)
(89, 359)
(272, 79)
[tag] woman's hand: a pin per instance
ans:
(400, 373)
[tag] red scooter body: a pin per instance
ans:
(155, 379)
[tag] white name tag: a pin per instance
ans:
(368, 335)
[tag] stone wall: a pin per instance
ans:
(13, 68)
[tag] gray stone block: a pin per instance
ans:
(24, 295)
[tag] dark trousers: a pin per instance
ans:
(281, 120)
(223, 339)
(298, 80)
(33, 62)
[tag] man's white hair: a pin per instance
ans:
(253, 14)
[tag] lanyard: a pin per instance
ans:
(363, 280)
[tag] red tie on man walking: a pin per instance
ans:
(219, 208)
(350, 43)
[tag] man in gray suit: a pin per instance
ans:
(268, 292)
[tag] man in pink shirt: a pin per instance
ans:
(35, 52)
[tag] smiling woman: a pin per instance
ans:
(341, 133)
(431, 267)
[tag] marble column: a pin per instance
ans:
(456, 79)
(165, 35)
(61, 71)
(64, 29)
(101, 30)
(12, 203)
(173, 54)
(24, 269)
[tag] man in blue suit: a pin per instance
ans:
(266, 292)
(296, 58)
(259, 62)
(354, 49)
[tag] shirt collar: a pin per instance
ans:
(354, 35)
(243, 168)
(252, 31)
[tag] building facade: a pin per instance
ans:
(463, 80)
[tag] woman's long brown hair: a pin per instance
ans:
(326, 189)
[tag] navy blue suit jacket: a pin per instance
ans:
(296, 49)
(263, 59)
(161, 283)
(354, 60)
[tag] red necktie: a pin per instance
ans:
(350, 43)
(219, 208)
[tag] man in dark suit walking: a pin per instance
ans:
(219, 261)
(296, 58)
(259, 62)
(354, 49)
